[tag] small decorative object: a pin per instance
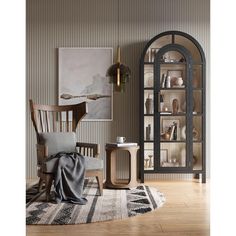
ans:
(183, 132)
(163, 80)
(194, 160)
(161, 102)
(166, 135)
(175, 106)
(175, 131)
(165, 108)
(150, 161)
(179, 81)
(146, 160)
(148, 132)
(168, 79)
(149, 105)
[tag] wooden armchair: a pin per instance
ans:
(55, 128)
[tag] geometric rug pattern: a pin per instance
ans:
(113, 205)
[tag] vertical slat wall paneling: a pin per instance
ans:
(77, 23)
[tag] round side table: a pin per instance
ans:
(111, 180)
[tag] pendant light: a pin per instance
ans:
(119, 73)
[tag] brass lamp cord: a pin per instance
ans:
(118, 48)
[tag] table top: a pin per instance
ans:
(124, 146)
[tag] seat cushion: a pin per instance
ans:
(58, 142)
(91, 163)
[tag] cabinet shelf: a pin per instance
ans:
(148, 88)
(172, 63)
(173, 141)
(173, 88)
(171, 114)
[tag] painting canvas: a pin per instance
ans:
(82, 77)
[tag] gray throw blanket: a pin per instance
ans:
(69, 178)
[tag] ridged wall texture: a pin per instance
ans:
(94, 23)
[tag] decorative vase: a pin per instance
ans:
(150, 161)
(175, 106)
(161, 103)
(168, 79)
(149, 105)
(148, 132)
(179, 81)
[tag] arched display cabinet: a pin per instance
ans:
(172, 106)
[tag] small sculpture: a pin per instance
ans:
(168, 79)
(150, 161)
(175, 106)
(179, 81)
(149, 105)
(148, 132)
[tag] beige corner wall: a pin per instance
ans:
(93, 23)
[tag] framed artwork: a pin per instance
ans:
(82, 77)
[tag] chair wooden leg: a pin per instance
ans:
(40, 184)
(100, 183)
(49, 180)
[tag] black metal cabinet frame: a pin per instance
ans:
(189, 63)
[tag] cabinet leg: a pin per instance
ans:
(204, 178)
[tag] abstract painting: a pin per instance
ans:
(82, 77)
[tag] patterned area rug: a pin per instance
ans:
(113, 205)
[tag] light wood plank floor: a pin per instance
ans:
(185, 213)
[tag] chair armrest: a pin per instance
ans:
(88, 149)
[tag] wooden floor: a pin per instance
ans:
(185, 213)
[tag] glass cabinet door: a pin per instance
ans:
(148, 105)
(173, 94)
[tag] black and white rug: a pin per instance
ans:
(113, 205)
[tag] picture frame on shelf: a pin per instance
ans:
(174, 75)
